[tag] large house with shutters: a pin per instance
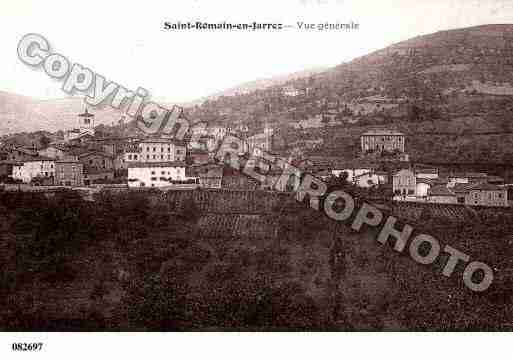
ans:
(382, 140)
(156, 150)
(36, 167)
(486, 194)
(404, 183)
(162, 174)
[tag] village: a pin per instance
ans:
(85, 161)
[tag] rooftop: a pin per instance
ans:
(378, 132)
(486, 187)
(90, 153)
(440, 190)
(156, 164)
(36, 159)
(86, 114)
(163, 140)
(462, 187)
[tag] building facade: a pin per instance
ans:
(485, 194)
(442, 194)
(26, 171)
(404, 183)
(85, 127)
(69, 173)
(382, 140)
(53, 151)
(96, 160)
(157, 174)
(156, 150)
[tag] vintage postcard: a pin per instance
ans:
(232, 166)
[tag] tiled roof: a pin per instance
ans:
(494, 179)
(68, 161)
(476, 175)
(403, 172)
(425, 180)
(462, 187)
(163, 140)
(383, 132)
(90, 153)
(156, 164)
(426, 170)
(486, 187)
(337, 163)
(440, 190)
(37, 159)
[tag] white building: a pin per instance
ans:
(163, 174)
(34, 167)
(442, 194)
(426, 173)
(156, 150)
(382, 140)
(260, 142)
(353, 173)
(404, 183)
(85, 127)
(422, 187)
(369, 179)
(290, 91)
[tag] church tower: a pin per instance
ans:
(86, 123)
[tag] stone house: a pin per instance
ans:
(441, 194)
(69, 173)
(404, 183)
(486, 194)
(29, 169)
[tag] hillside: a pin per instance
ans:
(134, 261)
(451, 92)
(443, 90)
(262, 84)
(24, 114)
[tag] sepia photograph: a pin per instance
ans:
(266, 174)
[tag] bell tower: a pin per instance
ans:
(86, 122)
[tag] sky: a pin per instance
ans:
(126, 42)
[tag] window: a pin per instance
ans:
(161, 157)
(154, 178)
(154, 149)
(163, 172)
(147, 157)
(152, 172)
(154, 157)
(161, 149)
(130, 157)
(135, 157)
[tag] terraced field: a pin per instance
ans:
(231, 201)
(246, 226)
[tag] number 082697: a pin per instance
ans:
(27, 347)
